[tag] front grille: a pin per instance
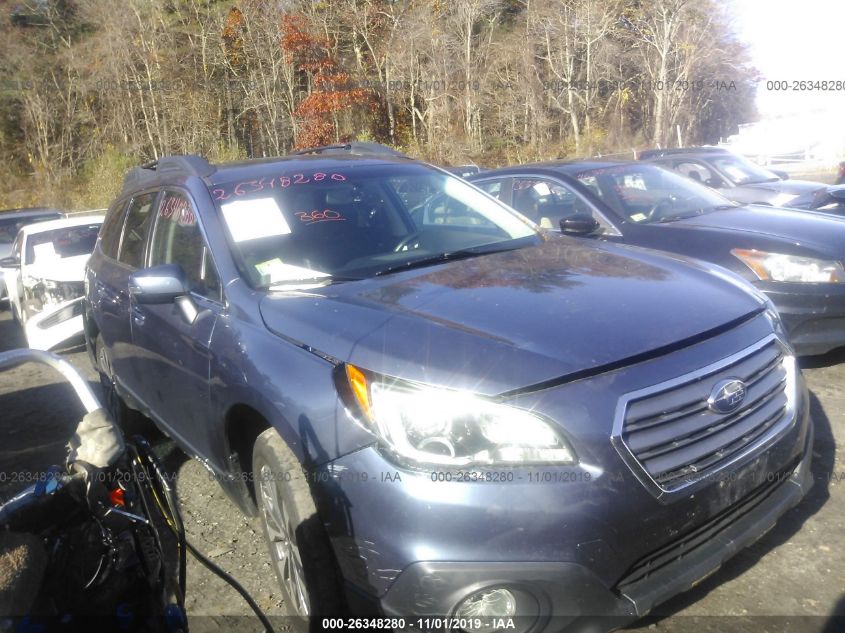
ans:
(65, 314)
(676, 437)
(704, 534)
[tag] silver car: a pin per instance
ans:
(736, 177)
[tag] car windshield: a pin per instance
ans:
(649, 194)
(360, 221)
(60, 243)
(742, 171)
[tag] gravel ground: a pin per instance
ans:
(792, 580)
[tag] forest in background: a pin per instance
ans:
(90, 88)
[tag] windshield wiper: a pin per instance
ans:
(697, 212)
(451, 256)
(323, 279)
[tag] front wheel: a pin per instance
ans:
(298, 543)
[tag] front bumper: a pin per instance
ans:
(55, 325)
(813, 314)
(572, 598)
(591, 553)
(569, 596)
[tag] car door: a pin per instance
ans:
(111, 291)
(173, 349)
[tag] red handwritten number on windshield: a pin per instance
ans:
(253, 186)
(312, 217)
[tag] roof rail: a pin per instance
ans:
(188, 165)
(355, 148)
(654, 153)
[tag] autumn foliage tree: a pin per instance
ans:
(84, 94)
(331, 92)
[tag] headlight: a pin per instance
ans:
(777, 267)
(429, 425)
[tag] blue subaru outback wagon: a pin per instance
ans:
(437, 409)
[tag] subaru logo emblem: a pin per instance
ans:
(727, 396)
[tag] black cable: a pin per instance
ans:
(235, 585)
(174, 522)
(135, 464)
(169, 495)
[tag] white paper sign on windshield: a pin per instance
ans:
(254, 219)
(44, 251)
(278, 272)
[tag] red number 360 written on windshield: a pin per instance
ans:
(276, 182)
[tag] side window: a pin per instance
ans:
(547, 202)
(494, 187)
(110, 233)
(698, 172)
(177, 239)
(138, 219)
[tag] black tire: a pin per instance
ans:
(278, 474)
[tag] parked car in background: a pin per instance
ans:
(736, 177)
(794, 258)
(464, 171)
(11, 221)
(437, 408)
(46, 284)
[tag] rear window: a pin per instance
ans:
(61, 243)
(138, 220)
(110, 233)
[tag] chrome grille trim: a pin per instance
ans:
(671, 440)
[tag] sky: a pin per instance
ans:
(793, 41)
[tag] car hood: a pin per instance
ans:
(59, 269)
(796, 187)
(821, 232)
(510, 320)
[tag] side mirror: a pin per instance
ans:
(837, 193)
(9, 262)
(159, 284)
(579, 224)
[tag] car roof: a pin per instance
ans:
(257, 168)
(30, 212)
(568, 167)
(174, 169)
(50, 225)
(682, 151)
